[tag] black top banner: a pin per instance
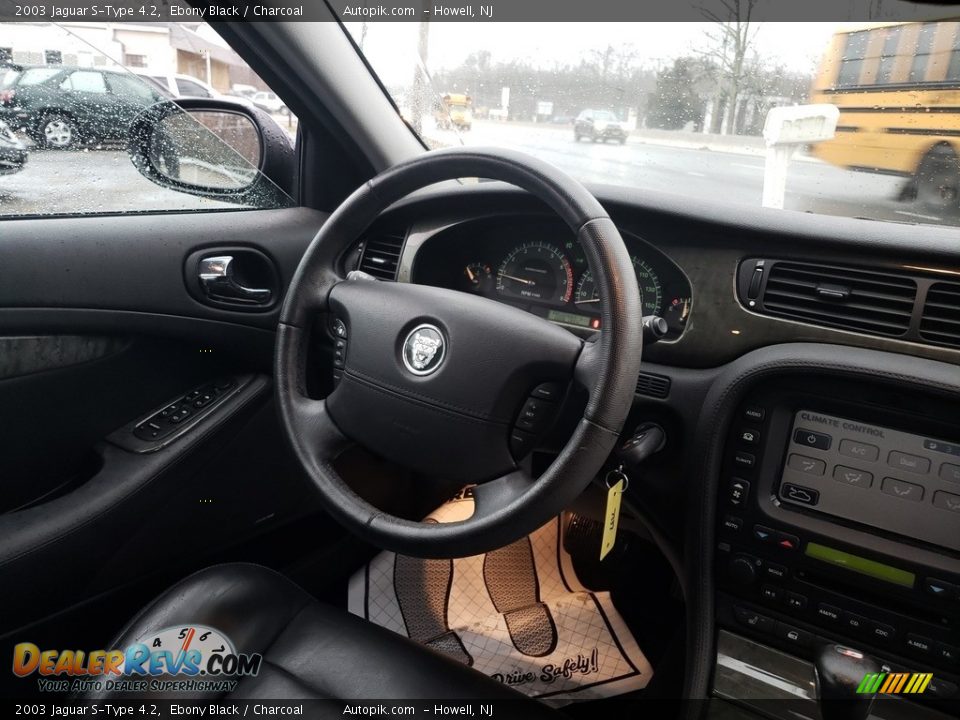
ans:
(472, 10)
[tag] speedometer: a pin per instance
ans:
(536, 271)
(651, 292)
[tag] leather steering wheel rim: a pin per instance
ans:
(512, 504)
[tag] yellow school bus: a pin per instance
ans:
(897, 86)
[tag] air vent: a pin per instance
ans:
(940, 322)
(657, 386)
(878, 303)
(381, 256)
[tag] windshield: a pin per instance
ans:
(855, 120)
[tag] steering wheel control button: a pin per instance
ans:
(859, 450)
(534, 415)
(547, 391)
(902, 489)
(521, 443)
(339, 328)
(340, 354)
(424, 350)
(739, 491)
(807, 465)
(810, 438)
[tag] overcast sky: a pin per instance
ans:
(390, 45)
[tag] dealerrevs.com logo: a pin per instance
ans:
(193, 658)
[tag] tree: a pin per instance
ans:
(676, 102)
(730, 44)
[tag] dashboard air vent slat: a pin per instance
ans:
(657, 386)
(381, 256)
(940, 321)
(879, 303)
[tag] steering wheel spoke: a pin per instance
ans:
(496, 496)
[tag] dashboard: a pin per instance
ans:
(538, 266)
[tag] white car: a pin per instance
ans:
(270, 102)
(181, 85)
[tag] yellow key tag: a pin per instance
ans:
(611, 517)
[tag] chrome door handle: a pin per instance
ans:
(219, 282)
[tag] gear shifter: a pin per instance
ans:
(839, 672)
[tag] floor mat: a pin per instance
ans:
(518, 614)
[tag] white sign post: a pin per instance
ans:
(786, 129)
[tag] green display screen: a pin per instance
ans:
(861, 565)
(571, 319)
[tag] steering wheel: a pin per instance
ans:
(434, 379)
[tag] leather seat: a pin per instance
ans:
(310, 650)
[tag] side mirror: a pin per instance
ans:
(227, 150)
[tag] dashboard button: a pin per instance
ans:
(804, 464)
(547, 391)
(744, 460)
(771, 593)
(794, 636)
(810, 438)
(852, 476)
(733, 523)
(764, 534)
(856, 624)
(948, 654)
(830, 613)
(796, 601)
(753, 619)
(881, 632)
(946, 501)
(739, 491)
(859, 450)
(941, 588)
(775, 571)
(940, 688)
(786, 541)
(910, 463)
(754, 412)
(950, 472)
(750, 436)
(800, 494)
(902, 489)
(919, 643)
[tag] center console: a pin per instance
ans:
(838, 520)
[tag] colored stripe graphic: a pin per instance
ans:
(894, 683)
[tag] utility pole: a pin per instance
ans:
(420, 86)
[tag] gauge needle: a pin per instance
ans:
(473, 278)
(584, 302)
(523, 281)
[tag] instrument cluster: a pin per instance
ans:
(539, 266)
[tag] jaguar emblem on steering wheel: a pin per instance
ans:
(423, 350)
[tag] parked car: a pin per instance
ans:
(13, 153)
(61, 106)
(599, 125)
(269, 101)
(177, 85)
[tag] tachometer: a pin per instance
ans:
(651, 293)
(536, 271)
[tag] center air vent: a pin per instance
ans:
(940, 322)
(874, 302)
(381, 256)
